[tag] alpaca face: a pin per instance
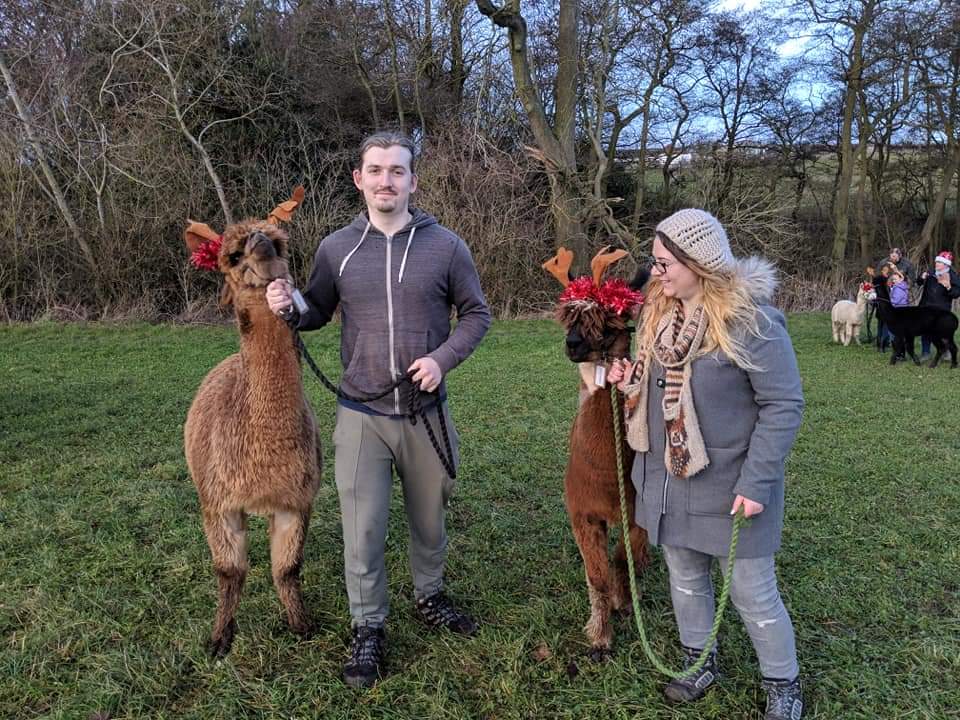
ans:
(594, 334)
(253, 254)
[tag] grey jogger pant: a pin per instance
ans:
(753, 591)
(367, 447)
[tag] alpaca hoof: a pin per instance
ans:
(303, 629)
(600, 654)
(219, 646)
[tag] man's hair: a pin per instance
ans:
(385, 139)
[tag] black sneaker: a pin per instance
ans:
(367, 653)
(784, 699)
(693, 687)
(438, 611)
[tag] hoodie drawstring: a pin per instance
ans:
(403, 263)
(355, 248)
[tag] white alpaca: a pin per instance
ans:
(847, 316)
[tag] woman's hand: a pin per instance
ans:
(617, 374)
(750, 508)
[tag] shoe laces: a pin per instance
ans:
(783, 699)
(367, 646)
(439, 610)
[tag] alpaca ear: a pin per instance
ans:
(604, 259)
(197, 233)
(284, 211)
(559, 265)
(226, 295)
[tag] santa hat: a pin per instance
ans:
(945, 257)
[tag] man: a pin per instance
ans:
(939, 290)
(394, 272)
(900, 261)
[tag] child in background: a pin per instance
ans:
(899, 289)
(899, 296)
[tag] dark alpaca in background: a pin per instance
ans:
(595, 335)
(907, 323)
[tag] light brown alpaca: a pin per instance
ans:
(250, 436)
(596, 334)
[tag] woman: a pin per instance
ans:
(713, 403)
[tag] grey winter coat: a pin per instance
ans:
(748, 420)
(395, 296)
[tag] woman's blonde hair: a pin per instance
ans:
(728, 305)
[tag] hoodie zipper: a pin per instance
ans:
(393, 358)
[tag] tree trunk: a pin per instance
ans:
(555, 143)
(842, 205)
(863, 227)
(458, 75)
(640, 199)
(935, 216)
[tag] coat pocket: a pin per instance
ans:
(369, 369)
(710, 492)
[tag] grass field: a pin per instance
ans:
(106, 591)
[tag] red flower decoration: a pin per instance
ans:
(867, 287)
(613, 295)
(206, 254)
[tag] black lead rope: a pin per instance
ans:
(414, 405)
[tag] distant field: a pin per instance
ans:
(106, 591)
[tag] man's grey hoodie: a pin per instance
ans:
(395, 296)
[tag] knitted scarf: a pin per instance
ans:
(676, 342)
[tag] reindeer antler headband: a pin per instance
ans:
(205, 254)
(613, 294)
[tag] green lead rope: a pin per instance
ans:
(727, 576)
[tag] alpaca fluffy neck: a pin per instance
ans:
(274, 385)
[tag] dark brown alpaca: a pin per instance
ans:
(250, 436)
(597, 334)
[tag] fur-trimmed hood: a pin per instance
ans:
(760, 276)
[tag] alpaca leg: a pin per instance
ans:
(227, 538)
(938, 344)
(621, 585)
(591, 537)
(855, 330)
(288, 533)
(847, 334)
(907, 346)
(836, 331)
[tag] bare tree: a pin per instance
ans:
(53, 185)
(555, 140)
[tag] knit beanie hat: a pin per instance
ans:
(945, 257)
(701, 236)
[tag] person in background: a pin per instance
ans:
(884, 336)
(940, 289)
(899, 295)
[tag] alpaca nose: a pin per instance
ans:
(259, 245)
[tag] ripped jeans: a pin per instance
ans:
(753, 591)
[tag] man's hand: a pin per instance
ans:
(750, 508)
(278, 296)
(426, 371)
